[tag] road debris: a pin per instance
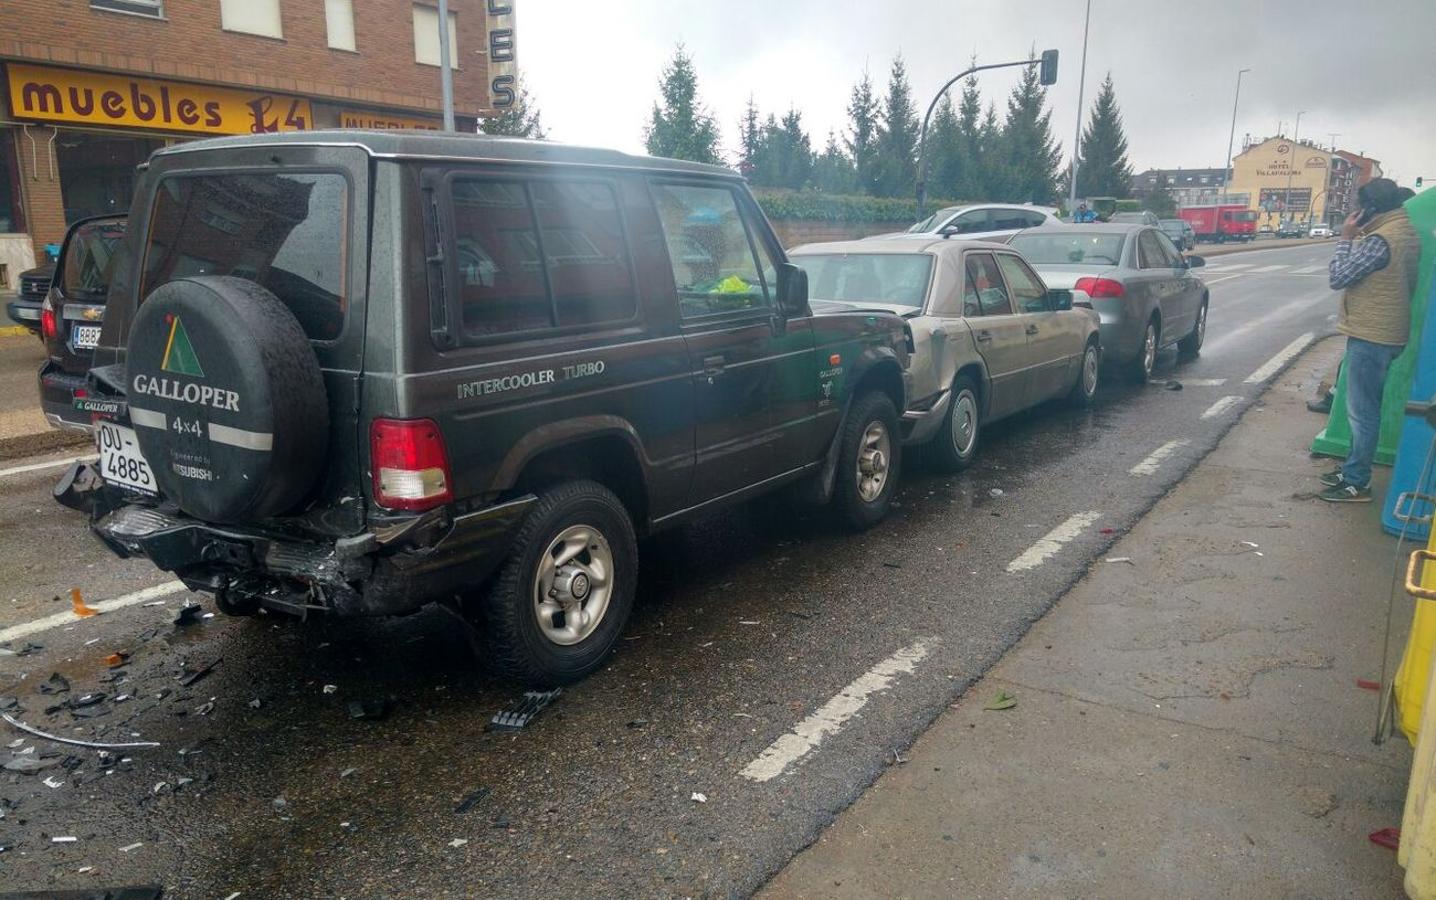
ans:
(897, 758)
(749, 622)
(1003, 700)
(996, 492)
(77, 603)
(187, 615)
(1173, 385)
(187, 678)
(93, 745)
(50, 782)
(117, 659)
(892, 565)
(135, 846)
(63, 839)
(1368, 685)
(472, 799)
(29, 764)
(458, 842)
(699, 797)
(55, 684)
(636, 723)
(373, 709)
(347, 772)
(1121, 559)
(205, 708)
(1390, 838)
(521, 713)
(331, 689)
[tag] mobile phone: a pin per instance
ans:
(1367, 212)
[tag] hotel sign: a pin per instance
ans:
(97, 98)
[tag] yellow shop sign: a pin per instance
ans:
(93, 98)
(349, 118)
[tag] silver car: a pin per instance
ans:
(989, 338)
(979, 222)
(1140, 284)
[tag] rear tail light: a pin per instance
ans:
(1100, 287)
(411, 466)
(49, 325)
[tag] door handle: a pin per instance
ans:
(984, 336)
(713, 365)
(1031, 329)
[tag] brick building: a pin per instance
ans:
(92, 87)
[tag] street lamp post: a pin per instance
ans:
(1291, 166)
(446, 74)
(1077, 138)
(1231, 137)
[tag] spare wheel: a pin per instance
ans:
(227, 398)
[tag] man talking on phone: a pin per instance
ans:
(1375, 268)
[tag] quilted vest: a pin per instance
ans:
(1378, 307)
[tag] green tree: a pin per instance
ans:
(833, 170)
(750, 140)
(945, 162)
(792, 151)
(520, 120)
(681, 126)
(1030, 154)
(1102, 169)
(1159, 200)
(970, 143)
(995, 180)
(897, 137)
(862, 139)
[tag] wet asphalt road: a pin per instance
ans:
(747, 623)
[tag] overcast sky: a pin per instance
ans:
(1363, 69)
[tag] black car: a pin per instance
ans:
(359, 372)
(25, 308)
(73, 314)
(1180, 232)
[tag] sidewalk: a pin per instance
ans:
(1187, 725)
(23, 429)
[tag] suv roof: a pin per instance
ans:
(402, 143)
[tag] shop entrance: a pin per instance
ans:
(97, 171)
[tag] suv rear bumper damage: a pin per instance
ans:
(384, 571)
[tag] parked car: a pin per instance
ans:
(1141, 286)
(1144, 217)
(357, 372)
(981, 221)
(1179, 232)
(25, 308)
(1320, 230)
(73, 313)
(1290, 230)
(989, 338)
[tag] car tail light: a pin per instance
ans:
(1100, 287)
(411, 466)
(49, 325)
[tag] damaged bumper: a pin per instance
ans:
(391, 570)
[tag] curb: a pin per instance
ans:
(13, 330)
(1223, 250)
(35, 443)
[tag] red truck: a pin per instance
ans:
(1220, 222)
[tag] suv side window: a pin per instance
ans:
(714, 266)
(972, 222)
(540, 254)
(1027, 290)
(983, 291)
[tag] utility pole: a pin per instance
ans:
(1333, 135)
(1077, 138)
(1291, 166)
(446, 73)
(1231, 136)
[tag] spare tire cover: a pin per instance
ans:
(226, 398)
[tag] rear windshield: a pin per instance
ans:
(1069, 249)
(899, 278)
(286, 232)
(89, 257)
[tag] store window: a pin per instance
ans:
(12, 217)
(155, 9)
(259, 17)
(339, 18)
(97, 171)
(426, 37)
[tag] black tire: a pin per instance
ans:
(517, 646)
(1191, 345)
(945, 446)
(227, 399)
(1140, 368)
(1088, 379)
(868, 411)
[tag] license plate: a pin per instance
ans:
(121, 462)
(86, 337)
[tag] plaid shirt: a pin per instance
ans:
(1349, 266)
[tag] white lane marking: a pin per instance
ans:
(1308, 270)
(1212, 281)
(1204, 382)
(1052, 542)
(1274, 268)
(1220, 407)
(1281, 312)
(1270, 367)
(1154, 461)
(25, 629)
(40, 467)
(1229, 267)
(809, 733)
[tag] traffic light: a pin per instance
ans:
(1418, 180)
(1049, 67)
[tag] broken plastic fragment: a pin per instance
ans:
(63, 839)
(331, 688)
(699, 797)
(188, 614)
(521, 713)
(471, 800)
(93, 745)
(458, 842)
(77, 603)
(55, 684)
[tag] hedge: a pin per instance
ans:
(815, 206)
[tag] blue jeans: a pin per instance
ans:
(1366, 364)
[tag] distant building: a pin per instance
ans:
(1301, 181)
(1188, 187)
(1349, 171)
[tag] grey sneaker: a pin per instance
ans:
(1332, 478)
(1346, 493)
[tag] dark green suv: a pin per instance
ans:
(358, 372)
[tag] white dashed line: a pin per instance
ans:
(1220, 407)
(1273, 365)
(809, 733)
(25, 629)
(1052, 542)
(1309, 270)
(41, 466)
(1275, 268)
(1229, 267)
(1152, 463)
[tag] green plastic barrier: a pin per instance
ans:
(1335, 438)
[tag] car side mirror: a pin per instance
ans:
(792, 289)
(1081, 299)
(1060, 300)
(1195, 262)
